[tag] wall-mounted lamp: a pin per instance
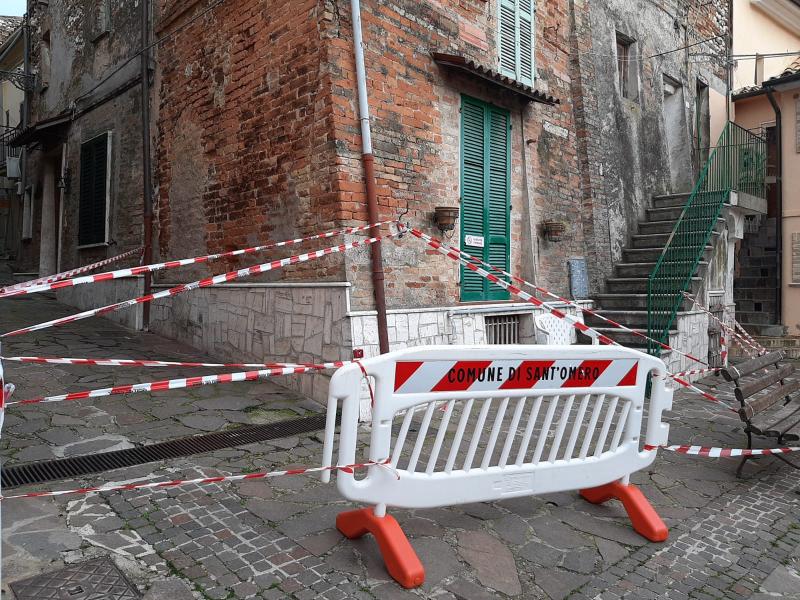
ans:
(445, 218)
(64, 182)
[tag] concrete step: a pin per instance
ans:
(632, 285)
(670, 200)
(657, 240)
(755, 318)
(744, 281)
(649, 254)
(629, 301)
(635, 319)
(664, 214)
(643, 269)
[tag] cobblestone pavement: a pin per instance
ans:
(276, 539)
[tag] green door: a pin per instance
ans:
(485, 194)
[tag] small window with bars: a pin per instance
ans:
(516, 36)
(95, 191)
(502, 329)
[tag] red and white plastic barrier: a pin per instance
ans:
(172, 264)
(202, 283)
(532, 420)
(743, 332)
(175, 384)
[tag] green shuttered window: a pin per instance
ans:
(515, 39)
(485, 193)
(92, 217)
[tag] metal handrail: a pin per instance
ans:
(737, 162)
(6, 150)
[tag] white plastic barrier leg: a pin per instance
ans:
(459, 424)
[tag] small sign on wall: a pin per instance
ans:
(476, 241)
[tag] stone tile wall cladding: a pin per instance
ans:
(263, 322)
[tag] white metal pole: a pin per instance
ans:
(361, 78)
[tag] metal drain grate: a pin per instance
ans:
(97, 579)
(68, 468)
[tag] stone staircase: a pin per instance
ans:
(625, 298)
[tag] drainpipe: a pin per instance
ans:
(369, 176)
(147, 186)
(779, 216)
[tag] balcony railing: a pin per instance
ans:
(737, 163)
(7, 151)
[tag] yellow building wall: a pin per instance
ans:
(757, 112)
(755, 31)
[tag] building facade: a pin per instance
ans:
(12, 99)
(549, 126)
(767, 83)
(83, 139)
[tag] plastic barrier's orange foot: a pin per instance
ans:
(644, 517)
(398, 555)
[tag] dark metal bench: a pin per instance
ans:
(767, 405)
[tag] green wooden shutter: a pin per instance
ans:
(515, 39)
(473, 184)
(498, 198)
(92, 205)
(485, 193)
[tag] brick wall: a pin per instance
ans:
(415, 122)
(245, 141)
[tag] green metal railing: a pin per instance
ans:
(736, 163)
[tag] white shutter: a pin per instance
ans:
(515, 40)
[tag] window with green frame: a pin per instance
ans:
(515, 39)
(485, 193)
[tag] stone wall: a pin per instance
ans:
(84, 297)
(625, 141)
(263, 323)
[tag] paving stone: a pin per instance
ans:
(228, 403)
(611, 552)
(169, 589)
(557, 534)
(273, 510)
(466, 590)
(439, 558)
(492, 561)
(541, 554)
(321, 543)
(556, 583)
(203, 422)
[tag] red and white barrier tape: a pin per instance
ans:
(698, 371)
(202, 283)
(722, 452)
(25, 286)
(201, 481)
(747, 336)
(175, 384)
(128, 362)
(742, 341)
(172, 264)
(585, 310)
(444, 249)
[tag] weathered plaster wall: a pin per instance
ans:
(74, 47)
(626, 139)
